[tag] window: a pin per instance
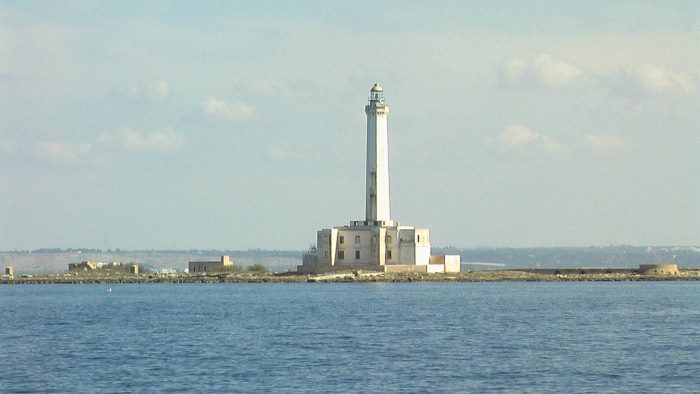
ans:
(388, 238)
(205, 268)
(342, 240)
(194, 269)
(357, 239)
(418, 238)
(388, 254)
(357, 255)
(325, 253)
(341, 255)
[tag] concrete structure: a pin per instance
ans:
(9, 271)
(196, 267)
(377, 242)
(102, 266)
(82, 266)
(658, 269)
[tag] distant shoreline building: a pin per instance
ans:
(376, 243)
(98, 265)
(202, 267)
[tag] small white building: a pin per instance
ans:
(376, 243)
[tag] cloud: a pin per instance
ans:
(8, 147)
(513, 70)
(285, 152)
(603, 142)
(650, 79)
(153, 92)
(520, 139)
(135, 140)
(158, 90)
(61, 150)
(222, 109)
(543, 71)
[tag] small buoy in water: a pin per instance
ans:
(109, 290)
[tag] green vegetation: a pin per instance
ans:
(229, 269)
(258, 269)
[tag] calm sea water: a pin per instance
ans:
(475, 337)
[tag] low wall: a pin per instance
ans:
(313, 269)
(405, 268)
(658, 269)
(436, 268)
(572, 271)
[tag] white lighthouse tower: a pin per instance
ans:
(376, 243)
(377, 208)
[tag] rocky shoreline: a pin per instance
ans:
(355, 276)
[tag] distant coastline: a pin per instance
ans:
(531, 275)
(53, 261)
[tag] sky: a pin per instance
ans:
(236, 125)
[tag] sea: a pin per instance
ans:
(355, 337)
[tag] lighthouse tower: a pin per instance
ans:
(376, 243)
(377, 208)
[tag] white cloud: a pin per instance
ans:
(652, 79)
(543, 71)
(513, 70)
(8, 147)
(61, 150)
(603, 142)
(158, 90)
(520, 139)
(222, 109)
(285, 152)
(153, 92)
(135, 140)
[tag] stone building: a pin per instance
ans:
(82, 266)
(195, 267)
(659, 269)
(377, 242)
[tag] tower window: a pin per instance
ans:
(388, 254)
(341, 255)
(341, 240)
(388, 238)
(357, 255)
(357, 239)
(418, 238)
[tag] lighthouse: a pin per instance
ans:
(376, 243)
(377, 209)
